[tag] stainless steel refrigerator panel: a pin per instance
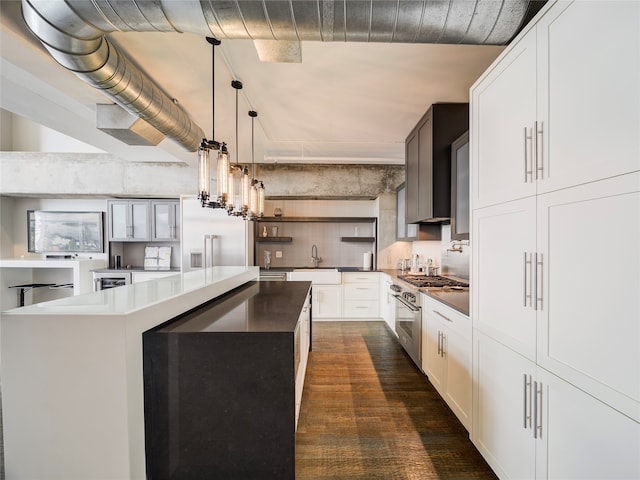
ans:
(210, 237)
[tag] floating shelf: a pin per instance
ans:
(317, 219)
(358, 239)
(273, 239)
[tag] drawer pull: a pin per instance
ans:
(443, 316)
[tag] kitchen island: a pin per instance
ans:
(72, 375)
(223, 385)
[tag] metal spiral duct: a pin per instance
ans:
(73, 31)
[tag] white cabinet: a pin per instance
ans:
(165, 220)
(503, 109)
(588, 279)
(556, 265)
(446, 355)
(387, 301)
(327, 301)
(529, 423)
(558, 104)
(302, 345)
(581, 437)
(360, 295)
(502, 410)
(588, 93)
(503, 246)
(129, 220)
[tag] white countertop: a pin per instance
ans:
(128, 299)
(72, 374)
(49, 262)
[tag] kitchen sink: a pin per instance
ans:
(318, 276)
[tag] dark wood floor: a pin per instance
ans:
(368, 413)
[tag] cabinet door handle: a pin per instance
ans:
(526, 401)
(539, 281)
(527, 146)
(443, 316)
(439, 348)
(527, 291)
(539, 150)
(537, 403)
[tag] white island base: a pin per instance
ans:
(72, 381)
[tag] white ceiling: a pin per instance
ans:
(345, 103)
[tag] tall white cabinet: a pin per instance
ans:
(555, 145)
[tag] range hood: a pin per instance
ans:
(428, 162)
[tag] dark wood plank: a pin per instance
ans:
(368, 413)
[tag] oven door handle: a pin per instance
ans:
(413, 308)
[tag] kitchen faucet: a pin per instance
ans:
(314, 256)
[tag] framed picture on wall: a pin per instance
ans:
(69, 232)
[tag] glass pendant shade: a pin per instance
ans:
(231, 190)
(204, 174)
(261, 200)
(253, 199)
(223, 175)
(245, 188)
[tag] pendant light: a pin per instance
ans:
(256, 198)
(207, 147)
(234, 190)
(239, 181)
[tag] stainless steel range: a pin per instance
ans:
(408, 309)
(422, 281)
(408, 315)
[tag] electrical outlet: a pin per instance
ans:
(278, 254)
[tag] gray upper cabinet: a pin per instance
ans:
(428, 162)
(129, 220)
(460, 188)
(165, 217)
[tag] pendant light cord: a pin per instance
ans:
(213, 42)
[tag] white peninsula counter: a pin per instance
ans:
(72, 377)
(73, 275)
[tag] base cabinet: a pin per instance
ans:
(327, 301)
(531, 424)
(360, 295)
(446, 356)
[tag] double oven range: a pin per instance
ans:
(408, 308)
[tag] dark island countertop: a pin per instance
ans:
(223, 384)
(253, 307)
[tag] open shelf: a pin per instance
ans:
(358, 239)
(274, 239)
(318, 219)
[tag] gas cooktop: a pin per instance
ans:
(421, 281)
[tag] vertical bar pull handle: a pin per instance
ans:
(527, 291)
(535, 281)
(539, 150)
(537, 410)
(439, 336)
(527, 142)
(539, 280)
(526, 401)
